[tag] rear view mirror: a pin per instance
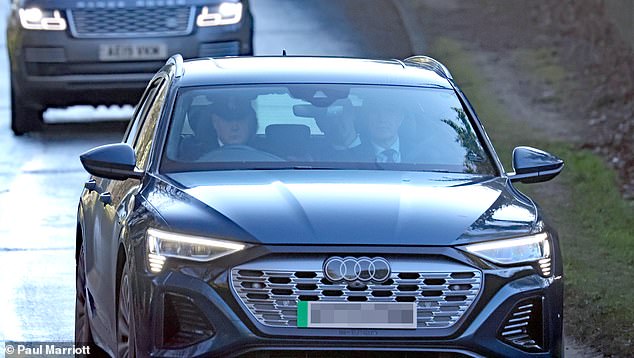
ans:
(533, 165)
(112, 161)
(308, 111)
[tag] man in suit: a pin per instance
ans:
(216, 125)
(233, 126)
(234, 123)
(383, 144)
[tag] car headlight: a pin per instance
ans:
(163, 244)
(227, 13)
(34, 18)
(528, 249)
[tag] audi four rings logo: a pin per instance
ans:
(353, 268)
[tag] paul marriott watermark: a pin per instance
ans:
(45, 349)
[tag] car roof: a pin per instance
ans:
(290, 69)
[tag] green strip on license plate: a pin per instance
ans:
(302, 314)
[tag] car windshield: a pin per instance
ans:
(322, 126)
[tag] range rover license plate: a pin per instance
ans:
(318, 314)
(127, 52)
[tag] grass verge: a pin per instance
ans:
(595, 224)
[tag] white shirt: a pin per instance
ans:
(382, 158)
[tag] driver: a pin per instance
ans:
(235, 123)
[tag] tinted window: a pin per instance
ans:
(139, 113)
(150, 113)
(322, 126)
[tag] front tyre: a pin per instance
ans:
(83, 334)
(24, 117)
(126, 346)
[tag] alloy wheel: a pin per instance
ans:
(82, 326)
(125, 334)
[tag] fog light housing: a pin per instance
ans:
(184, 323)
(523, 327)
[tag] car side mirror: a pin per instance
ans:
(533, 165)
(111, 161)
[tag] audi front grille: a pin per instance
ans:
(270, 288)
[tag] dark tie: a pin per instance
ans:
(390, 155)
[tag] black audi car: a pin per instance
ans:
(105, 51)
(296, 206)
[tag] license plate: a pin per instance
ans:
(316, 314)
(126, 52)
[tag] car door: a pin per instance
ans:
(109, 212)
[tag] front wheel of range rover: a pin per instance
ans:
(24, 117)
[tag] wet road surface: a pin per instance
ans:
(41, 176)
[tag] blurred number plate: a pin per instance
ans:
(124, 52)
(316, 314)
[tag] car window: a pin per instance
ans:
(151, 115)
(139, 113)
(323, 126)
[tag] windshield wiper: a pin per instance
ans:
(299, 167)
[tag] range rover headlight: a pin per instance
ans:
(227, 13)
(528, 249)
(36, 19)
(163, 244)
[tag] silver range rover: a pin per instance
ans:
(68, 52)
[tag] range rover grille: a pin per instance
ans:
(142, 21)
(443, 291)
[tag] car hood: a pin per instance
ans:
(352, 208)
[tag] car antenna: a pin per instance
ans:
(284, 52)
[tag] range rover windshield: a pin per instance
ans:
(322, 126)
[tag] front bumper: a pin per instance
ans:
(195, 312)
(45, 62)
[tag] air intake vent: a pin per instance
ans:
(183, 323)
(523, 328)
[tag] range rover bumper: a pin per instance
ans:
(52, 68)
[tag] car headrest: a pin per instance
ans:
(199, 118)
(288, 141)
(288, 132)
